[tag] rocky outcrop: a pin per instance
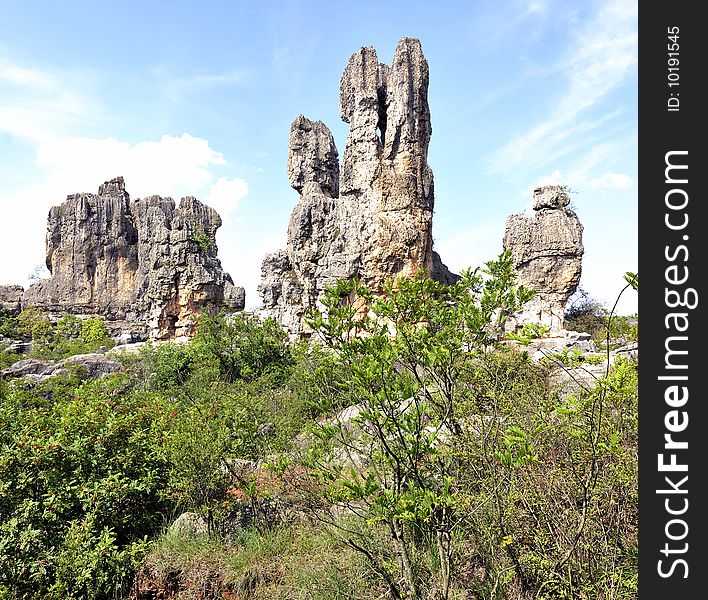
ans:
(374, 218)
(149, 263)
(88, 366)
(547, 250)
(11, 298)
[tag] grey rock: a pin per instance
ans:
(27, 366)
(18, 347)
(190, 524)
(571, 380)
(374, 218)
(629, 351)
(550, 196)
(92, 366)
(96, 365)
(11, 298)
(133, 348)
(547, 252)
(313, 157)
(128, 337)
(149, 264)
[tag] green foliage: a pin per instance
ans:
(466, 457)
(169, 365)
(632, 279)
(80, 486)
(552, 482)
(460, 467)
(587, 315)
(203, 240)
(567, 357)
(405, 357)
(92, 562)
(68, 336)
(528, 332)
(94, 332)
(8, 325)
(206, 430)
(241, 346)
(34, 325)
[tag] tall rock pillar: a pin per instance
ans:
(547, 251)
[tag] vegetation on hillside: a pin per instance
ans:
(405, 453)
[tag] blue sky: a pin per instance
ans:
(196, 98)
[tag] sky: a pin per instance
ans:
(196, 98)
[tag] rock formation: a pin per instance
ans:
(87, 366)
(547, 251)
(11, 298)
(374, 219)
(147, 262)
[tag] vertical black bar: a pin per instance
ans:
(672, 267)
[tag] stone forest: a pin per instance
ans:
(379, 427)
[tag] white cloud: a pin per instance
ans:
(603, 54)
(172, 165)
(225, 194)
(12, 73)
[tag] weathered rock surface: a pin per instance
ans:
(93, 366)
(148, 262)
(547, 251)
(11, 298)
(374, 219)
(15, 346)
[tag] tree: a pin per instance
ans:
(241, 346)
(393, 464)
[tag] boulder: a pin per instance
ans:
(11, 298)
(92, 366)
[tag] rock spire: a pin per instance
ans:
(373, 217)
(547, 250)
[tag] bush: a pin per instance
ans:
(587, 315)
(68, 336)
(9, 326)
(405, 355)
(241, 347)
(81, 480)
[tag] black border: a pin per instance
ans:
(661, 131)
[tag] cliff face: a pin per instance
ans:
(374, 218)
(547, 251)
(148, 262)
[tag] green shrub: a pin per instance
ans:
(169, 365)
(587, 315)
(405, 358)
(9, 325)
(241, 346)
(68, 336)
(81, 479)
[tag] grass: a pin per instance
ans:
(293, 562)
